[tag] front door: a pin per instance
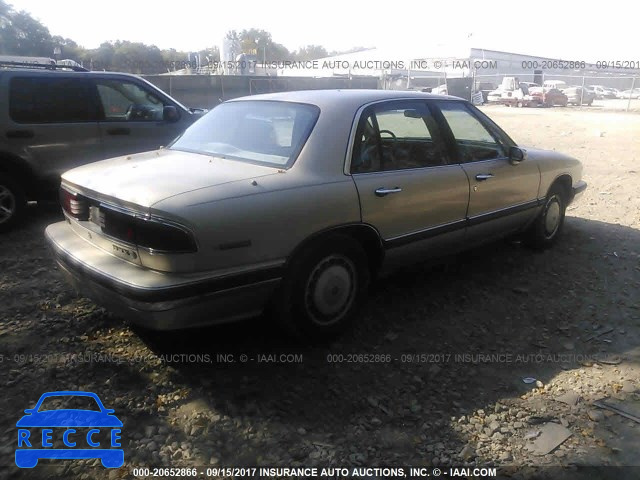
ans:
(408, 189)
(503, 195)
(132, 118)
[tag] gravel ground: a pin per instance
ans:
(431, 375)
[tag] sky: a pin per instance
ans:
(569, 30)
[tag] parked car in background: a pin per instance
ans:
(635, 93)
(557, 84)
(55, 118)
(603, 92)
(294, 201)
(579, 96)
(550, 97)
(440, 89)
(485, 88)
(512, 93)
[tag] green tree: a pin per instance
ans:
(351, 50)
(21, 34)
(100, 58)
(68, 48)
(259, 42)
(137, 58)
(310, 52)
(6, 32)
(31, 36)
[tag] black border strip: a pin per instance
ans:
(458, 225)
(423, 235)
(486, 217)
(208, 286)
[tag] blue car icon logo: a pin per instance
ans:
(57, 428)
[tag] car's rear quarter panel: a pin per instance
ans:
(245, 224)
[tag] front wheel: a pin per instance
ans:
(12, 202)
(546, 228)
(323, 288)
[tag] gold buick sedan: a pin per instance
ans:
(295, 201)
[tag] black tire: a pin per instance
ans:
(12, 202)
(547, 227)
(323, 288)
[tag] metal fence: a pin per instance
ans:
(207, 91)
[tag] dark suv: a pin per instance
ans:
(56, 119)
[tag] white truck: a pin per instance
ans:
(512, 93)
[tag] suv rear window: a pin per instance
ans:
(50, 100)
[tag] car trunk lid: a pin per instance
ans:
(145, 179)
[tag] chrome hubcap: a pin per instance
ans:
(331, 289)
(552, 217)
(7, 204)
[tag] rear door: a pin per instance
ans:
(503, 195)
(52, 122)
(408, 189)
(131, 117)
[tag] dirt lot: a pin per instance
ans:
(479, 324)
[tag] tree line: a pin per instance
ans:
(23, 35)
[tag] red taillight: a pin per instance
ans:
(145, 232)
(160, 236)
(75, 205)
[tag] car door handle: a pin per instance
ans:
(119, 131)
(382, 191)
(484, 176)
(20, 134)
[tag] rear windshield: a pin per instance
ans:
(264, 132)
(66, 402)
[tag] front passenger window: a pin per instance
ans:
(474, 141)
(126, 101)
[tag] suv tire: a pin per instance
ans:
(12, 202)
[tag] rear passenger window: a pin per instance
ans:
(397, 136)
(50, 100)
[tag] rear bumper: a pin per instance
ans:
(155, 300)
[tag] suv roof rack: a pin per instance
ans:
(44, 66)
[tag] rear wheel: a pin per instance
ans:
(323, 288)
(546, 228)
(12, 202)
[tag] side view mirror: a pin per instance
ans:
(29, 410)
(170, 114)
(517, 155)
